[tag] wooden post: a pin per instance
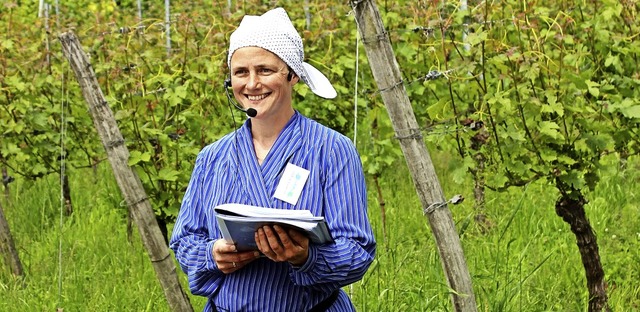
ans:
(128, 180)
(167, 25)
(8, 247)
(139, 11)
(387, 74)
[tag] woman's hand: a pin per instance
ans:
(280, 244)
(227, 257)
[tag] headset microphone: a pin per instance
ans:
(251, 112)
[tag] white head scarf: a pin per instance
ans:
(274, 32)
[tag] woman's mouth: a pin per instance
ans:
(257, 97)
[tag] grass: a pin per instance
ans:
(528, 261)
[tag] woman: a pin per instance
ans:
(249, 165)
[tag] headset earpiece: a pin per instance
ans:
(291, 74)
(227, 83)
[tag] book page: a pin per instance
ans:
(255, 211)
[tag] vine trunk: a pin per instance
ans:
(571, 210)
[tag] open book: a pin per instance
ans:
(238, 223)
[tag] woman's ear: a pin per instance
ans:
(291, 76)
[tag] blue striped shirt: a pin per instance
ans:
(227, 171)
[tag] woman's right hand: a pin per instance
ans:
(227, 257)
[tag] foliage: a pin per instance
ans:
(526, 263)
(542, 90)
(554, 84)
(168, 102)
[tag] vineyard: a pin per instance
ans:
(530, 109)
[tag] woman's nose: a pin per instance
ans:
(254, 81)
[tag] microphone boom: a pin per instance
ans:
(251, 112)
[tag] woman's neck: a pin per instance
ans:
(266, 132)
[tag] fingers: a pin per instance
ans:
(230, 266)
(222, 246)
(280, 244)
(298, 238)
(302, 245)
(268, 243)
(228, 259)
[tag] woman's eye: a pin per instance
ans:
(240, 72)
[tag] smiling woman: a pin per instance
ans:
(260, 81)
(287, 272)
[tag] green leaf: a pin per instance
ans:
(611, 60)
(631, 111)
(460, 173)
(566, 160)
(593, 88)
(14, 127)
(550, 129)
(406, 50)
(574, 179)
(11, 149)
(168, 174)
(531, 72)
(16, 82)
(599, 142)
(38, 168)
(497, 180)
(548, 155)
(181, 91)
(552, 105)
(7, 44)
(123, 113)
(476, 38)
(136, 156)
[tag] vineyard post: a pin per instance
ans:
(139, 5)
(127, 179)
(167, 24)
(386, 72)
(40, 8)
(8, 247)
(307, 15)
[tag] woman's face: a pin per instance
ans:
(259, 81)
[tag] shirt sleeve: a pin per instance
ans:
(191, 241)
(346, 260)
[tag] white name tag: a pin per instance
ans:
(291, 184)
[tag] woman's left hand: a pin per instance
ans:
(280, 244)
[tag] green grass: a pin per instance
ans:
(528, 261)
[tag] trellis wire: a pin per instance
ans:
(456, 199)
(416, 132)
(431, 75)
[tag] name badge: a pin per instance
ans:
(291, 184)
